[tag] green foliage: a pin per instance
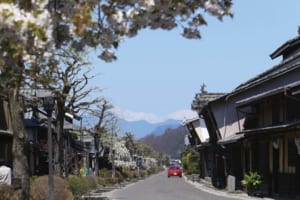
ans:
(78, 185)
(106, 177)
(130, 142)
(146, 150)
(153, 170)
(75, 185)
(193, 168)
(251, 181)
(32, 179)
(184, 162)
(110, 181)
(103, 172)
(191, 161)
(101, 181)
(165, 160)
(129, 174)
(92, 182)
(143, 173)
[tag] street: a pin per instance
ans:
(160, 187)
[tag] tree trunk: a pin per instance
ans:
(20, 146)
(59, 142)
(96, 142)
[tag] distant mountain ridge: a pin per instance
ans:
(142, 128)
(171, 142)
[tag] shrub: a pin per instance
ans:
(103, 172)
(7, 193)
(105, 177)
(143, 173)
(32, 179)
(184, 162)
(110, 181)
(193, 168)
(39, 189)
(92, 182)
(153, 170)
(136, 174)
(251, 182)
(190, 162)
(131, 174)
(78, 185)
(128, 174)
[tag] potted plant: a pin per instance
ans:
(251, 182)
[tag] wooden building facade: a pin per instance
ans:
(256, 127)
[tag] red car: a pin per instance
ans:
(174, 170)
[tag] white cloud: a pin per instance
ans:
(182, 114)
(135, 116)
(152, 118)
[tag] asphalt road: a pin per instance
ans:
(160, 187)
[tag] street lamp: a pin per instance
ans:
(48, 104)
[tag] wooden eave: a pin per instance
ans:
(295, 125)
(6, 133)
(292, 88)
(287, 47)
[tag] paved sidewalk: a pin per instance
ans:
(224, 193)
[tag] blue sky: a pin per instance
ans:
(158, 73)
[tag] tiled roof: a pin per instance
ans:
(288, 64)
(280, 69)
(292, 62)
(202, 99)
(286, 47)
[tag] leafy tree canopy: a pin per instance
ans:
(33, 29)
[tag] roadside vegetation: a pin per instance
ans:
(144, 162)
(190, 160)
(74, 186)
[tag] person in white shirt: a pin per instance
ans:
(5, 173)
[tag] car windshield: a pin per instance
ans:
(174, 167)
